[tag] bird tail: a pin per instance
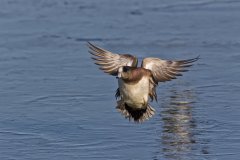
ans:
(139, 115)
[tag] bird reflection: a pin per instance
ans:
(178, 124)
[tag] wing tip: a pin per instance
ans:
(89, 44)
(188, 62)
(196, 59)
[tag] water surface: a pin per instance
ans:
(56, 104)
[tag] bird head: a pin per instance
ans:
(124, 72)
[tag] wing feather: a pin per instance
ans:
(166, 70)
(110, 62)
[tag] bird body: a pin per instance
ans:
(137, 84)
(135, 94)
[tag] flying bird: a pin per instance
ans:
(136, 85)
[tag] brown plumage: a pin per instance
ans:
(137, 84)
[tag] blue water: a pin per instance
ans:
(55, 103)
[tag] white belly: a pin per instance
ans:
(135, 95)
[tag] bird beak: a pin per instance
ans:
(119, 75)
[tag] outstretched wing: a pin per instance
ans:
(110, 62)
(166, 70)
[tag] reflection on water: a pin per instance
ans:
(178, 124)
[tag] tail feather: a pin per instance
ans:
(139, 115)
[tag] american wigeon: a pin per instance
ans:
(137, 84)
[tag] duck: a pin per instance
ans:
(137, 85)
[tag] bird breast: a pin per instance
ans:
(135, 94)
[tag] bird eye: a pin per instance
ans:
(125, 69)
